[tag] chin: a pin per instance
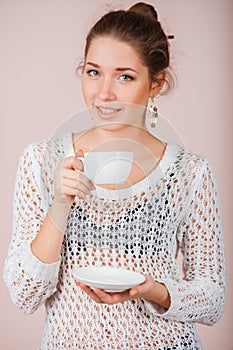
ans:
(113, 126)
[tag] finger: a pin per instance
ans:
(85, 182)
(143, 288)
(67, 191)
(76, 192)
(73, 163)
(89, 291)
(75, 185)
(77, 175)
(79, 153)
(112, 298)
(77, 180)
(134, 293)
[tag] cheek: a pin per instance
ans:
(140, 98)
(139, 93)
(87, 91)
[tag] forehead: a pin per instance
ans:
(111, 51)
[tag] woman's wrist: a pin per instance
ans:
(58, 214)
(159, 294)
(47, 244)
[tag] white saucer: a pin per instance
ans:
(107, 278)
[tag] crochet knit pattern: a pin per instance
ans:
(140, 228)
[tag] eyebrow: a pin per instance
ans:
(119, 69)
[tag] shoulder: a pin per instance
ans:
(191, 166)
(37, 163)
(187, 158)
(39, 159)
(47, 150)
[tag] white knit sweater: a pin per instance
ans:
(140, 228)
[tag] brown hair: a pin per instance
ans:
(140, 28)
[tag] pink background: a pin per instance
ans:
(41, 43)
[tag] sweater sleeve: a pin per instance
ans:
(200, 295)
(29, 280)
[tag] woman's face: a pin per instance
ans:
(115, 83)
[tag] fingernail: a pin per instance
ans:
(133, 292)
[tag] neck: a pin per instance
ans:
(111, 137)
(119, 131)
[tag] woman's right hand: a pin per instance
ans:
(70, 181)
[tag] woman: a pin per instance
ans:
(168, 203)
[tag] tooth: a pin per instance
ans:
(107, 110)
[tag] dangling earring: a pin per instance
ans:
(153, 113)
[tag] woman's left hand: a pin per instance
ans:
(144, 290)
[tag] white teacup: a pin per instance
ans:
(107, 167)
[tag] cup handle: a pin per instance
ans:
(83, 161)
(85, 168)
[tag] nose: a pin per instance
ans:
(106, 90)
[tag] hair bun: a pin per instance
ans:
(145, 10)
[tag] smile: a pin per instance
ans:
(107, 111)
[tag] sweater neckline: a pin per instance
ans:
(141, 186)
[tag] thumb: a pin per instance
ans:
(133, 292)
(79, 153)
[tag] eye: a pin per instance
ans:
(93, 73)
(125, 77)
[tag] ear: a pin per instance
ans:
(157, 84)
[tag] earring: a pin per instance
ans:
(153, 113)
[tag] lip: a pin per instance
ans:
(107, 112)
